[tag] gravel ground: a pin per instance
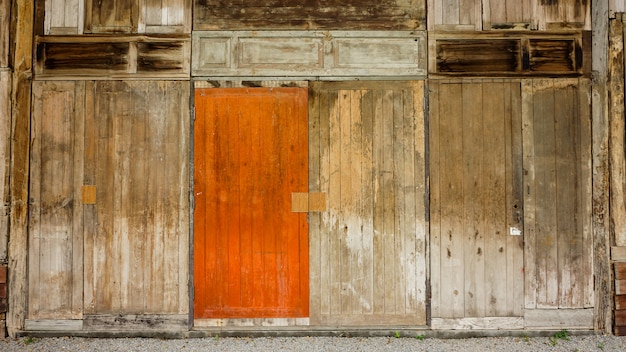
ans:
(293, 344)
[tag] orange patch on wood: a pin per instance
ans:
(89, 194)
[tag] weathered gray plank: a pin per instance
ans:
(5, 133)
(559, 318)
(482, 323)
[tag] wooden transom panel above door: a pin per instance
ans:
(250, 249)
(367, 256)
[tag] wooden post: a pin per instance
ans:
(600, 166)
(616, 132)
(22, 34)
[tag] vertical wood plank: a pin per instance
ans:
(326, 103)
(367, 201)
(495, 198)
(474, 233)
(378, 239)
(315, 235)
(421, 193)
(89, 178)
(515, 188)
(399, 184)
(586, 209)
(435, 197)
(452, 250)
(22, 16)
(5, 133)
(530, 191)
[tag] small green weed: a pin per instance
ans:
(601, 345)
(29, 340)
(420, 337)
(396, 334)
(561, 335)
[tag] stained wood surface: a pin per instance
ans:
(112, 57)
(5, 155)
(601, 170)
(557, 176)
(368, 249)
(290, 14)
(516, 53)
(616, 124)
(55, 212)
(250, 249)
(475, 199)
(5, 22)
(22, 58)
(136, 235)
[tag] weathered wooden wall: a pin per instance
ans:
(109, 217)
(368, 250)
(476, 203)
(508, 14)
(557, 207)
(313, 14)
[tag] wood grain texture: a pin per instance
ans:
(291, 14)
(370, 159)
(519, 53)
(135, 155)
(558, 265)
(22, 56)
(5, 22)
(476, 270)
(617, 126)
(251, 251)
(111, 57)
(5, 155)
(55, 213)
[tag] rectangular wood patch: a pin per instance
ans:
(618, 253)
(308, 202)
(620, 287)
(620, 270)
(89, 194)
(620, 302)
(299, 202)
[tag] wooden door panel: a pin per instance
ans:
(55, 215)
(368, 248)
(251, 251)
(475, 209)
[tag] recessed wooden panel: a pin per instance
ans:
(367, 154)
(290, 14)
(84, 56)
(250, 249)
(514, 54)
(546, 55)
(160, 57)
(475, 55)
(309, 53)
(71, 57)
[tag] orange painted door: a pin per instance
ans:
(250, 249)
